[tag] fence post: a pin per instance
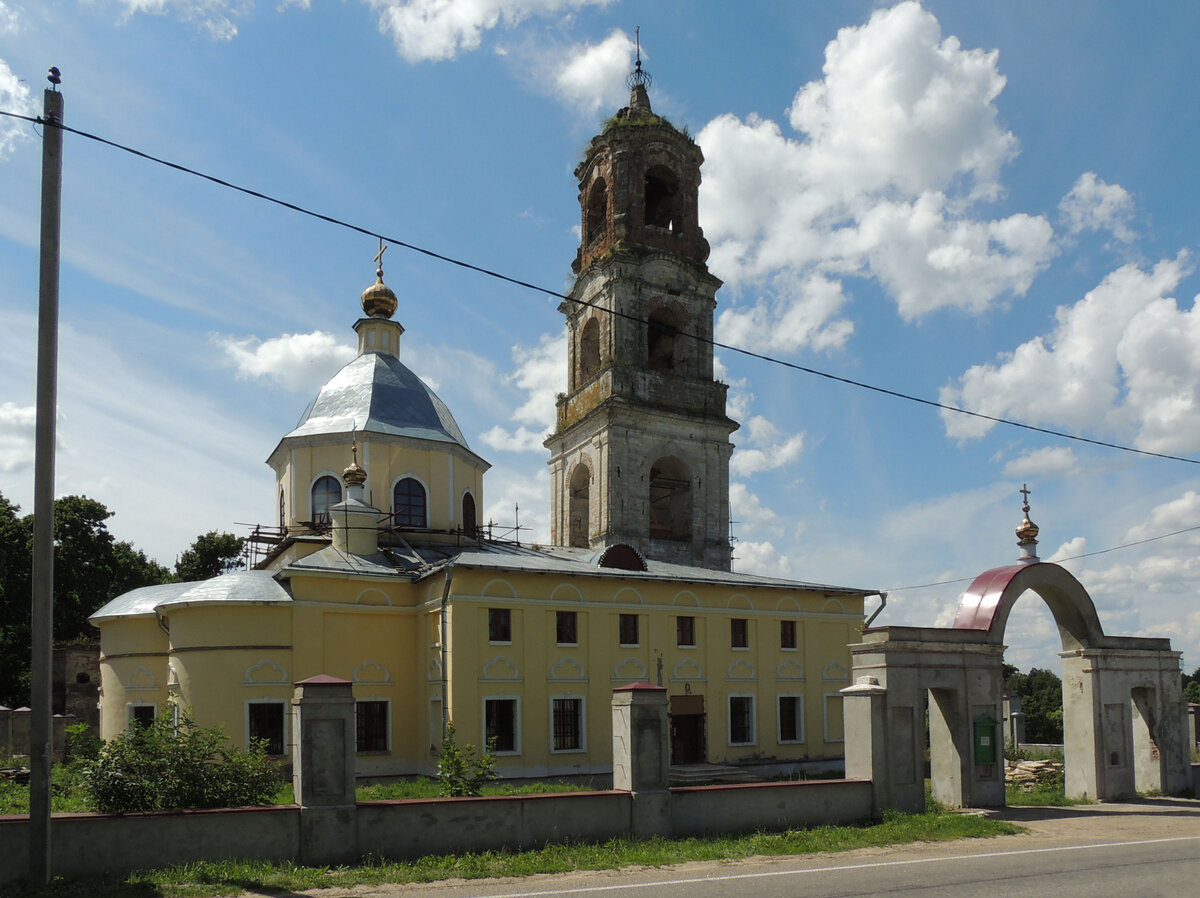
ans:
(865, 716)
(323, 770)
(641, 755)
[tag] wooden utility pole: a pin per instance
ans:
(42, 618)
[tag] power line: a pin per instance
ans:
(395, 241)
(1129, 545)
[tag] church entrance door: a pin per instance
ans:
(687, 729)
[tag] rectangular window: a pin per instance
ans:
(787, 634)
(685, 631)
(739, 633)
(371, 725)
(499, 625)
(568, 724)
(791, 718)
(833, 717)
(566, 632)
(264, 720)
(500, 724)
(143, 715)
(628, 629)
(741, 720)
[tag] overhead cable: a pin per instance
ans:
(479, 269)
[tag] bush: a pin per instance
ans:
(460, 772)
(170, 766)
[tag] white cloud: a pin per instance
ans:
(435, 30)
(540, 371)
(9, 23)
(748, 509)
(899, 141)
(213, 16)
(591, 77)
(1053, 461)
(761, 558)
(16, 436)
(1094, 205)
(14, 97)
(769, 451)
(1124, 359)
(295, 361)
(1168, 517)
(1072, 548)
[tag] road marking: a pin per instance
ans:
(583, 890)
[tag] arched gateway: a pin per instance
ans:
(1123, 714)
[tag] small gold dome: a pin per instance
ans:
(378, 300)
(1028, 530)
(354, 475)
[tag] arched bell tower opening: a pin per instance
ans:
(1123, 720)
(640, 357)
(581, 481)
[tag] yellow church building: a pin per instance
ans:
(380, 574)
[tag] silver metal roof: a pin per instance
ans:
(376, 393)
(422, 560)
(239, 587)
(138, 602)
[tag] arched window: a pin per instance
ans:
(661, 339)
(282, 512)
(326, 493)
(670, 499)
(408, 503)
(661, 188)
(469, 524)
(589, 348)
(580, 506)
(596, 225)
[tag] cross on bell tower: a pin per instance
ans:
(640, 453)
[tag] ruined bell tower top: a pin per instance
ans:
(639, 185)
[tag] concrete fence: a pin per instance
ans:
(327, 826)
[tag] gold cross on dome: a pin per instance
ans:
(1025, 491)
(379, 257)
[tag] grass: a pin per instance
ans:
(202, 880)
(68, 796)
(1042, 796)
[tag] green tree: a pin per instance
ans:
(460, 771)
(90, 567)
(211, 554)
(1041, 703)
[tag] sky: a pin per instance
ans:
(987, 205)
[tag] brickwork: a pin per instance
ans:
(643, 413)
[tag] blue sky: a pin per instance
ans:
(991, 204)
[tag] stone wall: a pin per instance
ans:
(323, 828)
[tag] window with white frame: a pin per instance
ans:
(501, 722)
(791, 718)
(566, 714)
(326, 493)
(265, 722)
(499, 625)
(627, 629)
(141, 713)
(834, 726)
(741, 720)
(371, 725)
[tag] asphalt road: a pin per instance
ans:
(1134, 850)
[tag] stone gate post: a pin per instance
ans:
(641, 755)
(323, 770)
(865, 717)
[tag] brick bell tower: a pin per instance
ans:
(640, 453)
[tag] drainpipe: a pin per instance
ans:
(445, 650)
(882, 605)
